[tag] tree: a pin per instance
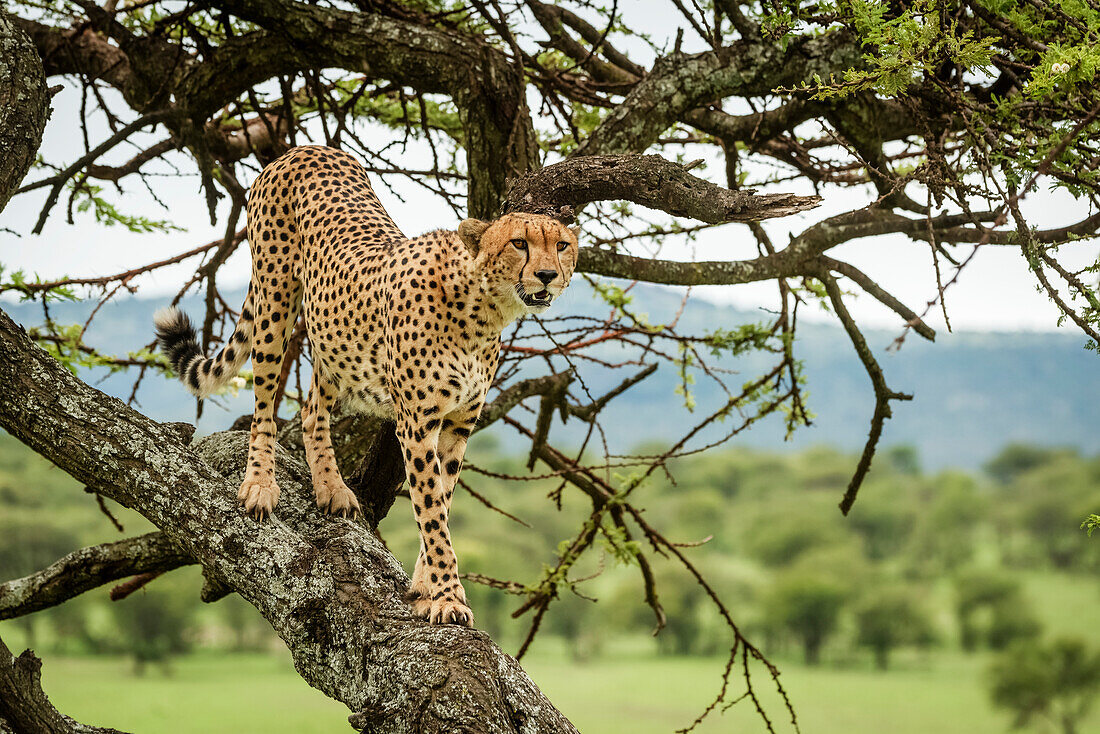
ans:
(808, 606)
(25, 547)
(1054, 498)
(991, 610)
(975, 591)
(153, 626)
(942, 119)
(1017, 459)
(786, 536)
(1010, 622)
(943, 536)
(890, 618)
(1057, 681)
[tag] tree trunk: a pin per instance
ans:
(882, 657)
(328, 586)
(811, 649)
(24, 708)
(24, 106)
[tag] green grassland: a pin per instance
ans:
(775, 536)
(628, 688)
(218, 692)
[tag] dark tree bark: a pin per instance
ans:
(88, 568)
(24, 708)
(24, 105)
(328, 586)
(681, 82)
(649, 180)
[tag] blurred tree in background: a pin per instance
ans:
(891, 617)
(153, 626)
(807, 606)
(1058, 681)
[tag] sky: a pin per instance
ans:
(995, 292)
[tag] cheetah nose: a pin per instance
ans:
(546, 276)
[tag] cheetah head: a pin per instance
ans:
(527, 259)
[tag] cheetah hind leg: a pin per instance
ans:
(332, 493)
(418, 585)
(259, 493)
(436, 611)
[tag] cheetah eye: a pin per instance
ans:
(562, 245)
(519, 244)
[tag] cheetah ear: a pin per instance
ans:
(470, 230)
(576, 232)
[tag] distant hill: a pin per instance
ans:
(974, 392)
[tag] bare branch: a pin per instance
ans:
(57, 182)
(884, 297)
(517, 393)
(86, 569)
(649, 180)
(883, 394)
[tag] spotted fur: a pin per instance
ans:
(405, 328)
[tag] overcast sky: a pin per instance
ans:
(996, 292)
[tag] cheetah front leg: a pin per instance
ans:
(454, 433)
(332, 494)
(436, 593)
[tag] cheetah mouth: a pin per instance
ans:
(539, 299)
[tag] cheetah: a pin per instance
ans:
(405, 328)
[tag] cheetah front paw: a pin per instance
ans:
(442, 611)
(335, 498)
(259, 496)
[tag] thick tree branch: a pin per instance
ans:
(87, 569)
(488, 89)
(798, 258)
(24, 708)
(328, 586)
(679, 83)
(486, 86)
(649, 180)
(24, 105)
(85, 52)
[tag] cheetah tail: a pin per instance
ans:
(178, 339)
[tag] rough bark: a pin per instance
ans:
(24, 105)
(88, 568)
(651, 181)
(328, 586)
(379, 475)
(24, 708)
(679, 83)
